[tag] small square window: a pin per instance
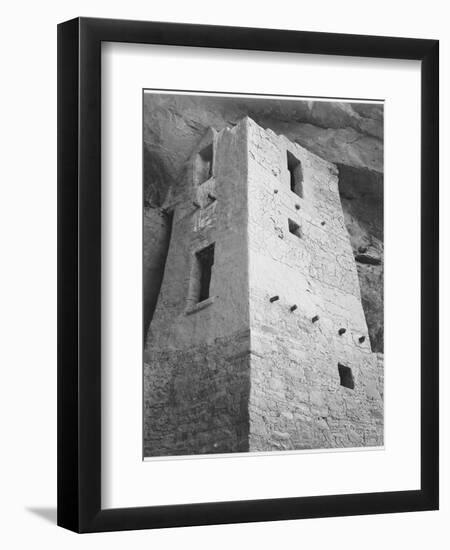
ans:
(294, 228)
(346, 376)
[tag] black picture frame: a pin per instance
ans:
(79, 274)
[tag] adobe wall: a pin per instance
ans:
(196, 369)
(296, 399)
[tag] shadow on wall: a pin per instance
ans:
(46, 513)
(156, 239)
(361, 192)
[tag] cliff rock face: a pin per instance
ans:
(347, 134)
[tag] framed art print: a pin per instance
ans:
(248, 265)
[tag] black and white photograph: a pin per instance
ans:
(226, 249)
(263, 265)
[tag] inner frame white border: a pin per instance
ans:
(129, 481)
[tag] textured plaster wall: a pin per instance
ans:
(296, 400)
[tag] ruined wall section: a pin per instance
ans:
(196, 400)
(196, 368)
(296, 397)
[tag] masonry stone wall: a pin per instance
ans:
(196, 399)
(296, 399)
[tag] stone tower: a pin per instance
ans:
(258, 341)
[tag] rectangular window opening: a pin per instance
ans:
(294, 228)
(205, 261)
(205, 164)
(346, 376)
(295, 173)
